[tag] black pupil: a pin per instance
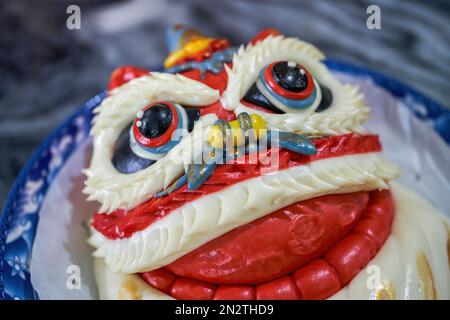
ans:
(289, 77)
(155, 121)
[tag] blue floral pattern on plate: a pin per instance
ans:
(21, 212)
(20, 215)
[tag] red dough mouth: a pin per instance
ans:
(123, 223)
(308, 250)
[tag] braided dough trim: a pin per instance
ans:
(346, 113)
(207, 218)
(114, 189)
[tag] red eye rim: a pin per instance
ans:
(286, 93)
(162, 139)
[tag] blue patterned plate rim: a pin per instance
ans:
(14, 271)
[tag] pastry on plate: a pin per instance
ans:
(247, 173)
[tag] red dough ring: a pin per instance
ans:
(188, 289)
(317, 280)
(235, 293)
(350, 256)
(280, 289)
(264, 34)
(160, 279)
(124, 74)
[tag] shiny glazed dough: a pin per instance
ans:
(413, 262)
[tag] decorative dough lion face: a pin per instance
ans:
(218, 225)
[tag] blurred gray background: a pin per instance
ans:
(47, 71)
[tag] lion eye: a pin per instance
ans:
(157, 129)
(288, 87)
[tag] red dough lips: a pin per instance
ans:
(308, 250)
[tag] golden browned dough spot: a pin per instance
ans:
(386, 291)
(447, 227)
(425, 275)
(129, 290)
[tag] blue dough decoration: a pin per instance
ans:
(197, 174)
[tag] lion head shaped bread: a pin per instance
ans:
(247, 174)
